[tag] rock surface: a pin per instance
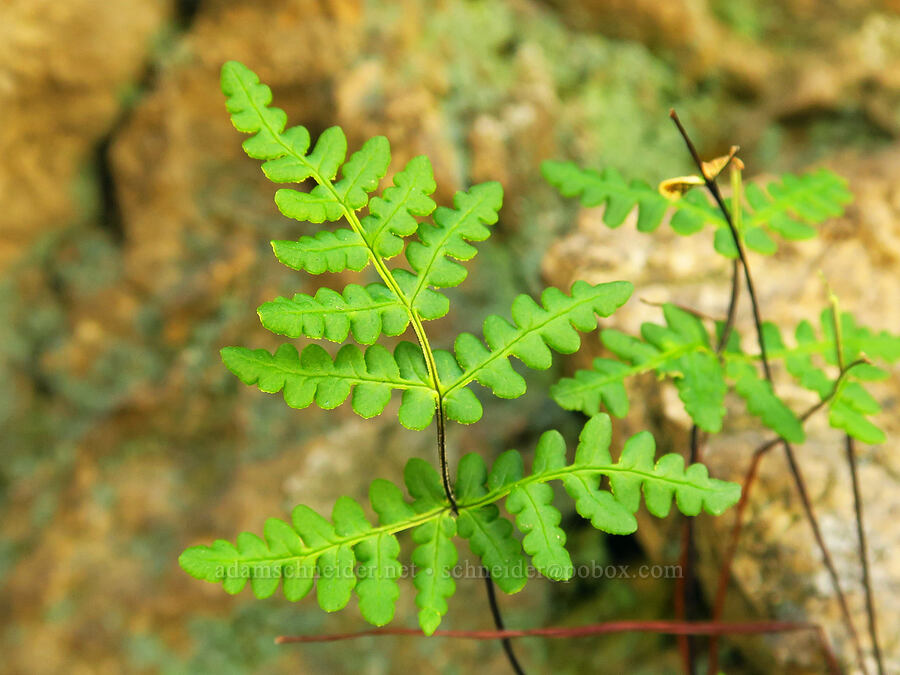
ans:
(134, 244)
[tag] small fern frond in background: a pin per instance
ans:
(681, 350)
(788, 207)
(851, 405)
(348, 553)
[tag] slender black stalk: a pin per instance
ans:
(742, 254)
(789, 453)
(489, 583)
(687, 587)
(864, 553)
(498, 623)
(442, 455)
(732, 305)
(850, 448)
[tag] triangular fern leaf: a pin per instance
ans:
(313, 377)
(536, 330)
(367, 312)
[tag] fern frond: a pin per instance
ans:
(313, 377)
(763, 403)
(788, 207)
(335, 553)
(681, 349)
(390, 216)
(490, 535)
(851, 404)
(608, 187)
(536, 330)
(532, 504)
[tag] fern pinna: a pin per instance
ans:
(348, 552)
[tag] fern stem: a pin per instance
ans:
(864, 553)
(608, 628)
(740, 511)
(498, 623)
(850, 448)
(799, 482)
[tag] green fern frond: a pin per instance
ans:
(608, 187)
(335, 553)
(391, 216)
(490, 535)
(788, 207)
(681, 349)
(851, 404)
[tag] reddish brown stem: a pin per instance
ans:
(740, 509)
(661, 627)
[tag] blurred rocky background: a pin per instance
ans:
(134, 244)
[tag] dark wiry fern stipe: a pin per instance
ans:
(788, 207)
(348, 553)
